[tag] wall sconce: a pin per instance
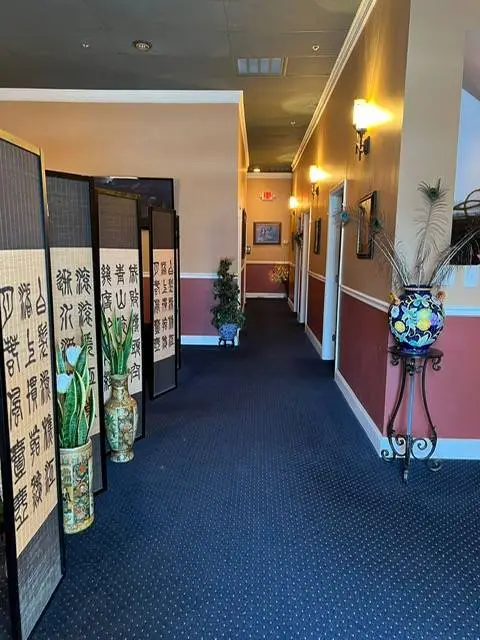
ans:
(366, 115)
(292, 203)
(316, 175)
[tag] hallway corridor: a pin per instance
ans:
(256, 508)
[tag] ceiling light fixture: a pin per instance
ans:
(85, 45)
(142, 45)
(315, 47)
(293, 123)
(256, 170)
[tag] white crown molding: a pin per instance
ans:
(317, 276)
(364, 297)
(274, 175)
(122, 96)
(243, 128)
(273, 296)
(198, 276)
(358, 25)
(317, 345)
(267, 262)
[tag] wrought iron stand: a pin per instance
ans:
(406, 446)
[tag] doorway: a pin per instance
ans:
(333, 275)
(304, 252)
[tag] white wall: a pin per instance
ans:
(468, 153)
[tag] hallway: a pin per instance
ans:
(256, 508)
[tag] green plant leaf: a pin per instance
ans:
(59, 360)
(69, 416)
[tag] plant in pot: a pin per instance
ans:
(121, 415)
(280, 274)
(416, 315)
(227, 314)
(76, 414)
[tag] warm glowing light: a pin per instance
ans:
(367, 114)
(317, 174)
(256, 170)
(292, 203)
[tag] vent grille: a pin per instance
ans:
(261, 66)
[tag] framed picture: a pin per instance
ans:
(366, 216)
(267, 233)
(317, 235)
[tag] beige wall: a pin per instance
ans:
(275, 211)
(375, 71)
(196, 144)
(432, 113)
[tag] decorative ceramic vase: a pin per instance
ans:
(228, 331)
(121, 418)
(416, 319)
(76, 472)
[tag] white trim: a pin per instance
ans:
(358, 25)
(273, 175)
(125, 96)
(202, 341)
(373, 433)
(364, 297)
(317, 345)
(198, 276)
(243, 128)
(290, 304)
(462, 312)
(275, 296)
(267, 262)
(457, 449)
(316, 276)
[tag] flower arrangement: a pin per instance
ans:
(280, 273)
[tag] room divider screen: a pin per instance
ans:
(164, 295)
(28, 425)
(120, 270)
(76, 290)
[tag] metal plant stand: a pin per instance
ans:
(406, 446)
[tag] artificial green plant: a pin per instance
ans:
(226, 292)
(75, 398)
(117, 342)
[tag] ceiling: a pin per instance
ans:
(195, 46)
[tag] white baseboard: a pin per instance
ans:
(276, 296)
(202, 341)
(447, 448)
(317, 345)
(290, 304)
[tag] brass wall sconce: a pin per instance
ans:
(366, 115)
(316, 175)
(292, 203)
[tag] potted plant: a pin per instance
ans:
(280, 274)
(76, 414)
(121, 415)
(416, 315)
(227, 314)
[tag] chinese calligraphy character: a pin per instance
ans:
(135, 372)
(47, 425)
(37, 488)
(156, 306)
(34, 437)
(157, 344)
(171, 322)
(133, 268)
(64, 281)
(136, 347)
(43, 340)
(20, 507)
(85, 313)
(164, 287)
(135, 323)
(49, 475)
(84, 285)
(170, 268)
(121, 298)
(157, 326)
(164, 324)
(171, 340)
(170, 304)
(40, 304)
(25, 302)
(45, 392)
(17, 455)
(88, 341)
(66, 316)
(170, 285)
(16, 413)
(6, 304)
(10, 347)
(134, 296)
(120, 273)
(164, 304)
(156, 287)
(163, 268)
(91, 373)
(32, 392)
(67, 342)
(164, 342)
(106, 275)
(31, 350)
(106, 300)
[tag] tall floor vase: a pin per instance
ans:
(76, 471)
(121, 419)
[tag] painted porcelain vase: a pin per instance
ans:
(121, 418)
(228, 331)
(416, 319)
(76, 472)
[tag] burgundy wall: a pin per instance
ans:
(316, 303)
(363, 358)
(452, 392)
(259, 281)
(196, 299)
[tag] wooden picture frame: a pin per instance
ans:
(267, 233)
(317, 236)
(367, 211)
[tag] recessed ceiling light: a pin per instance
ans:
(142, 45)
(256, 170)
(293, 123)
(315, 47)
(260, 66)
(85, 45)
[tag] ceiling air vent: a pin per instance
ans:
(260, 66)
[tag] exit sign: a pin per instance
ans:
(267, 195)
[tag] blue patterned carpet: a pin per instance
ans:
(257, 509)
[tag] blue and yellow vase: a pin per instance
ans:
(416, 319)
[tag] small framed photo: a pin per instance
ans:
(317, 235)
(366, 215)
(267, 233)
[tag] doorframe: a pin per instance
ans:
(333, 275)
(305, 253)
